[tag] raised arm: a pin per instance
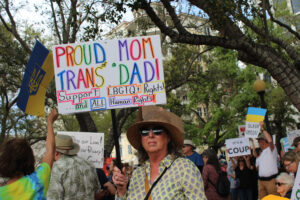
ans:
(50, 141)
(252, 146)
(234, 165)
(268, 136)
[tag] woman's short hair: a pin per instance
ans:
(285, 178)
(291, 156)
(212, 158)
(16, 158)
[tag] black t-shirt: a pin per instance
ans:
(243, 176)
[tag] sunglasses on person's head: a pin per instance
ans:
(279, 184)
(144, 131)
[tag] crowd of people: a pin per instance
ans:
(169, 168)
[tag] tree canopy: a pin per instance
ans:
(243, 26)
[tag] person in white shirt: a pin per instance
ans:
(266, 164)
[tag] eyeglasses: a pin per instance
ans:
(288, 165)
(155, 130)
(279, 184)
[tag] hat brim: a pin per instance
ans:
(134, 136)
(70, 152)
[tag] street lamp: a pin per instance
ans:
(260, 87)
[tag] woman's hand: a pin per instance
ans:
(120, 180)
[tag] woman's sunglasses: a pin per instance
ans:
(279, 184)
(155, 130)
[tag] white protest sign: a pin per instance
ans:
(242, 129)
(285, 144)
(296, 188)
(109, 74)
(291, 135)
(252, 129)
(238, 147)
(91, 146)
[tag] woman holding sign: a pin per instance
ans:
(165, 173)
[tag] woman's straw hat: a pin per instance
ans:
(153, 115)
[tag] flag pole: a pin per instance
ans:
(115, 136)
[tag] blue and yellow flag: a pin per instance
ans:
(255, 114)
(38, 74)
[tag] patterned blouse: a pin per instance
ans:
(181, 181)
(73, 178)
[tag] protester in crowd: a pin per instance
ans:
(296, 144)
(108, 189)
(157, 134)
(189, 151)
(111, 170)
(234, 181)
(266, 164)
(223, 164)
(17, 164)
(244, 171)
(291, 161)
(284, 184)
(210, 174)
(72, 177)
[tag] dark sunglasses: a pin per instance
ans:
(279, 184)
(155, 130)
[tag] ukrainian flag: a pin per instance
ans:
(255, 114)
(38, 74)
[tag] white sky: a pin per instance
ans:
(29, 14)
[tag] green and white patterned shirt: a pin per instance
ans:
(181, 181)
(73, 178)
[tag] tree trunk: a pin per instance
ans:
(86, 122)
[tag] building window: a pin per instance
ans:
(296, 6)
(200, 112)
(207, 31)
(185, 99)
(121, 152)
(205, 111)
(129, 149)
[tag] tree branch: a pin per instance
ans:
(55, 22)
(297, 35)
(174, 17)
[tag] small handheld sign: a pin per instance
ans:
(254, 116)
(238, 147)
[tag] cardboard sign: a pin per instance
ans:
(91, 146)
(254, 116)
(292, 135)
(296, 188)
(238, 147)
(242, 129)
(109, 74)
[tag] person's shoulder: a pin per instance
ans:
(209, 167)
(183, 161)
